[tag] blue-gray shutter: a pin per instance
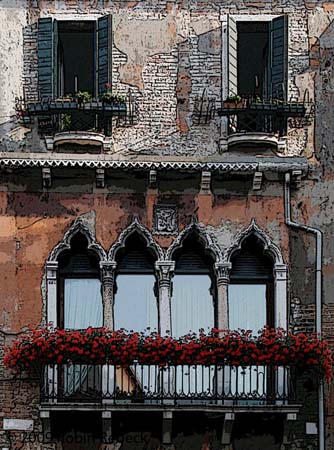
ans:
(232, 55)
(279, 57)
(104, 50)
(45, 52)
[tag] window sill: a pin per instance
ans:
(97, 141)
(261, 139)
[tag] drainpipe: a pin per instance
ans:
(318, 292)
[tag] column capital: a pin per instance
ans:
(51, 269)
(108, 268)
(222, 270)
(280, 271)
(165, 268)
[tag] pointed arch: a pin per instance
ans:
(203, 236)
(269, 248)
(279, 268)
(136, 227)
(78, 226)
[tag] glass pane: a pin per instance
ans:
(192, 309)
(135, 303)
(248, 311)
(247, 306)
(192, 304)
(83, 303)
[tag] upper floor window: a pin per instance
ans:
(79, 294)
(73, 56)
(257, 58)
(135, 306)
(251, 289)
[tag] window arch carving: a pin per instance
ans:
(256, 261)
(77, 256)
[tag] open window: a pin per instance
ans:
(257, 57)
(73, 56)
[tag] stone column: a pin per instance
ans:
(280, 302)
(51, 292)
(223, 277)
(165, 270)
(280, 273)
(51, 373)
(108, 278)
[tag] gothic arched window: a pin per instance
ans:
(251, 289)
(79, 293)
(135, 306)
(193, 293)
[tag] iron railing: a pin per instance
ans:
(176, 384)
(63, 114)
(260, 115)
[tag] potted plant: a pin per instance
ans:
(109, 98)
(83, 97)
(235, 101)
(66, 122)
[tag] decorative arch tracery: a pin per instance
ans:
(269, 247)
(204, 238)
(65, 244)
(78, 227)
(280, 269)
(136, 227)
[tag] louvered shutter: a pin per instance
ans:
(279, 57)
(251, 266)
(47, 54)
(232, 56)
(104, 49)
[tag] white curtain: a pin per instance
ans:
(82, 309)
(192, 310)
(83, 303)
(135, 303)
(192, 304)
(136, 309)
(247, 306)
(248, 311)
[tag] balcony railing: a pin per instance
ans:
(253, 115)
(153, 384)
(65, 114)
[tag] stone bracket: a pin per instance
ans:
(205, 182)
(46, 177)
(257, 181)
(167, 422)
(100, 178)
(227, 430)
(296, 179)
(152, 179)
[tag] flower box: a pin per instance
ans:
(237, 348)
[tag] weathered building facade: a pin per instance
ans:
(127, 180)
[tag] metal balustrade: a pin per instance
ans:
(184, 384)
(261, 115)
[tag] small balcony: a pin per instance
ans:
(252, 121)
(153, 386)
(66, 121)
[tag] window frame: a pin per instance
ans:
(225, 89)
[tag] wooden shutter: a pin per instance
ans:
(104, 49)
(232, 55)
(47, 54)
(279, 57)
